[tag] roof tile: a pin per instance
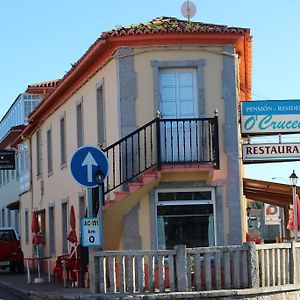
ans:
(170, 24)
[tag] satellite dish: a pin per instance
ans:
(188, 9)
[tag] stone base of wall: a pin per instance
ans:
(286, 292)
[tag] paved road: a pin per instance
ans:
(7, 293)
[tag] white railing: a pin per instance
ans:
(195, 269)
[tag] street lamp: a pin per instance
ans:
(293, 181)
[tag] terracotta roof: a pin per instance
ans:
(160, 31)
(51, 83)
(44, 88)
(163, 25)
(170, 24)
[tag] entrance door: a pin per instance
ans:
(177, 90)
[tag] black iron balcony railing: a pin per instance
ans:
(163, 141)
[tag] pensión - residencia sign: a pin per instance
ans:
(270, 117)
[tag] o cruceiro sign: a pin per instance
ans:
(270, 152)
(270, 117)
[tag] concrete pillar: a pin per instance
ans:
(253, 266)
(181, 268)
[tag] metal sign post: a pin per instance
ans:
(89, 167)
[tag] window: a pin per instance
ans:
(23, 167)
(82, 207)
(4, 177)
(13, 174)
(51, 230)
(3, 217)
(49, 151)
(8, 173)
(38, 153)
(8, 217)
(26, 217)
(177, 88)
(63, 151)
(65, 227)
(30, 105)
(182, 83)
(185, 217)
(79, 123)
(100, 116)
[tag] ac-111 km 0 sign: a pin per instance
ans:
(90, 232)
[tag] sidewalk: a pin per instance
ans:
(45, 290)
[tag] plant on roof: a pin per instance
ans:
(189, 25)
(174, 24)
(134, 26)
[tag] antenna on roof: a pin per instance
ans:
(188, 9)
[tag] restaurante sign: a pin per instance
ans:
(270, 117)
(270, 152)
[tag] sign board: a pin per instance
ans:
(90, 232)
(7, 160)
(255, 153)
(271, 214)
(270, 117)
(86, 161)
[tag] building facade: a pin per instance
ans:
(11, 125)
(161, 99)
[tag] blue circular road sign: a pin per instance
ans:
(86, 163)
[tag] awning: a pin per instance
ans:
(268, 192)
(11, 136)
(13, 205)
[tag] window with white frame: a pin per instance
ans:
(24, 167)
(49, 151)
(65, 227)
(52, 229)
(63, 150)
(38, 153)
(100, 115)
(79, 123)
(185, 217)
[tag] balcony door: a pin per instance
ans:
(178, 94)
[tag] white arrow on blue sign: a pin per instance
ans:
(86, 161)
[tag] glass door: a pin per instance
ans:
(177, 90)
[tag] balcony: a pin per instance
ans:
(192, 141)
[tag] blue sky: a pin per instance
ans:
(41, 39)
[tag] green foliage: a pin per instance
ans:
(256, 204)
